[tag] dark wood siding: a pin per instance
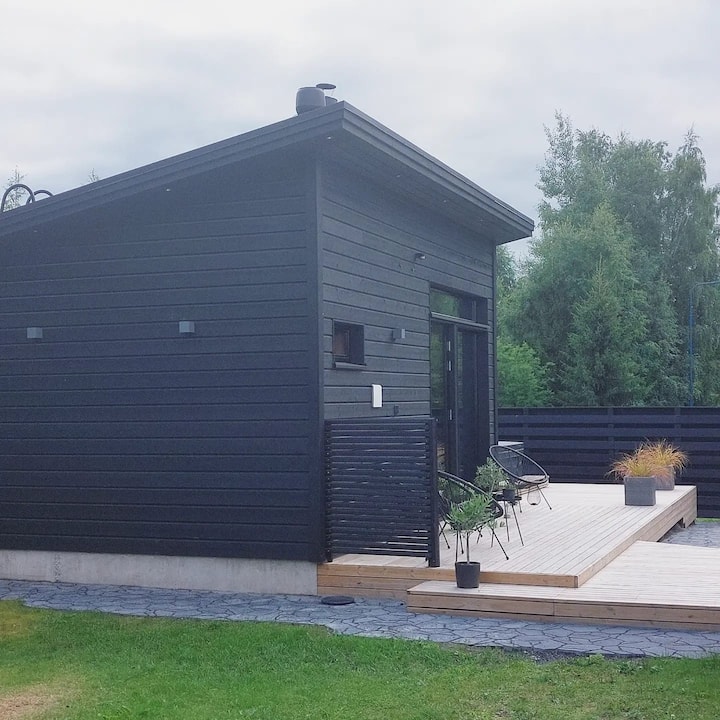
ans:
(371, 277)
(119, 435)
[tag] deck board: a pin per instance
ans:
(588, 527)
(589, 559)
(656, 584)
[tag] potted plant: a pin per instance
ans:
(465, 518)
(491, 478)
(668, 461)
(638, 475)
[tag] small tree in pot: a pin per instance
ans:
(491, 478)
(466, 518)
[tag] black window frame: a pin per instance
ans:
(474, 309)
(354, 340)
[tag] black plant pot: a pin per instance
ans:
(467, 574)
(509, 494)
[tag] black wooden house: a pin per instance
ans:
(173, 339)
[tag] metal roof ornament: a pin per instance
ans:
(32, 194)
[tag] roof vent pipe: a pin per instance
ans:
(312, 98)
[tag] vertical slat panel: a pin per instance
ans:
(382, 487)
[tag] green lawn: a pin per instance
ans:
(87, 665)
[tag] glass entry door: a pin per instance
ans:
(459, 392)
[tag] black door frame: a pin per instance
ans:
(449, 425)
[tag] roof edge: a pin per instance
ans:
(293, 131)
(417, 159)
(284, 133)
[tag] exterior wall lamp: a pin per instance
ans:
(186, 328)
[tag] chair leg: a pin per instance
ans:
(517, 524)
(542, 495)
(444, 536)
(495, 537)
(544, 498)
(538, 489)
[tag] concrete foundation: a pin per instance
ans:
(221, 574)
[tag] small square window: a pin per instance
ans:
(348, 345)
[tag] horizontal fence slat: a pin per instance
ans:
(580, 444)
(382, 487)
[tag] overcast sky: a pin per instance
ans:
(101, 86)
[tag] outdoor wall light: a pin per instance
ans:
(186, 327)
(419, 256)
(34, 333)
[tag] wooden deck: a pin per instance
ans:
(656, 584)
(590, 558)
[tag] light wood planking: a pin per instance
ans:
(656, 584)
(587, 528)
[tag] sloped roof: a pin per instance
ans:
(339, 131)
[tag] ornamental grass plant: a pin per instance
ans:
(667, 458)
(633, 465)
(658, 459)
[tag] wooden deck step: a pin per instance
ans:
(653, 584)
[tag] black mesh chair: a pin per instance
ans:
(453, 490)
(522, 471)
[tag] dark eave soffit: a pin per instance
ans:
(339, 128)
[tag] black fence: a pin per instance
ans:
(382, 487)
(579, 444)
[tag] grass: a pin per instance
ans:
(89, 665)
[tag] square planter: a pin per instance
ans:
(666, 479)
(640, 490)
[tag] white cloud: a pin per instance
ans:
(111, 86)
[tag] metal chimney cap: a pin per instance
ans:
(326, 86)
(309, 98)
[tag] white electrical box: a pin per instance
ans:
(377, 396)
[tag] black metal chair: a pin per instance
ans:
(453, 490)
(522, 471)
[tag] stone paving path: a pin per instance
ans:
(384, 618)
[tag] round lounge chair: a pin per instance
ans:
(527, 476)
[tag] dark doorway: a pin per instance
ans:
(459, 381)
